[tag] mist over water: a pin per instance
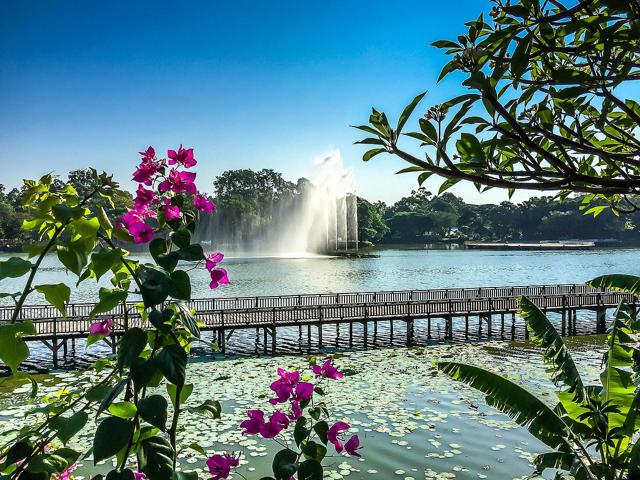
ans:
(320, 218)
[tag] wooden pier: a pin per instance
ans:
(436, 314)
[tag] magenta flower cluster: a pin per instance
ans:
(218, 275)
(167, 178)
(289, 388)
(220, 465)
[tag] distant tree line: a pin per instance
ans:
(423, 217)
(249, 202)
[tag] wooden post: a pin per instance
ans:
(375, 331)
(601, 326)
(264, 340)
(564, 322)
(309, 337)
(337, 334)
(391, 331)
(410, 332)
(489, 325)
(466, 327)
(502, 326)
(513, 326)
(319, 336)
(365, 333)
(428, 328)
(449, 328)
(350, 334)
(54, 349)
(273, 340)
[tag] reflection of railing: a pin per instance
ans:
(281, 301)
(553, 298)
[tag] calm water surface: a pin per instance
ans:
(395, 269)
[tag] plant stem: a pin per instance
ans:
(174, 424)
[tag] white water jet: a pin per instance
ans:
(320, 218)
(323, 221)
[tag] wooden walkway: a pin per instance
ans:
(268, 313)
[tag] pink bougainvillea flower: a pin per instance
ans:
(327, 370)
(220, 465)
(143, 197)
(269, 430)
(147, 155)
(171, 212)
(179, 182)
(285, 385)
(296, 411)
(352, 445)
(279, 419)
(213, 259)
(218, 277)
(66, 475)
(203, 204)
(139, 475)
(256, 420)
(147, 169)
(184, 156)
(141, 232)
(101, 327)
(334, 432)
(304, 390)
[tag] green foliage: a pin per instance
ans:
(546, 109)
(14, 267)
(13, 349)
(593, 429)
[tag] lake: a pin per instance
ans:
(413, 422)
(397, 268)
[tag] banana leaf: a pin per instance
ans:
(564, 371)
(513, 400)
(617, 281)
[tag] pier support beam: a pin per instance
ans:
(410, 332)
(601, 320)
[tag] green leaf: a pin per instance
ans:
(525, 408)
(310, 470)
(13, 349)
(155, 285)
(144, 372)
(103, 260)
(564, 370)
(372, 153)
(180, 287)
(131, 346)
(57, 295)
(209, 409)
(103, 220)
(126, 474)
(520, 58)
(300, 432)
(111, 436)
(313, 451)
(14, 267)
(447, 184)
(186, 391)
(122, 409)
(191, 253)
(153, 409)
(408, 111)
(155, 458)
(172, 362)
(67, 427)
(72, 257)
(285, 464)
(321, 428)
(428, 129)
(181, 238)
(470, 149)
(619, 281)
(56, 461)
(63, 212)
(110, 396)
(108, 300)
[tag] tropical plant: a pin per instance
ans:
(550, 106)
(137, 427)
(592, 430)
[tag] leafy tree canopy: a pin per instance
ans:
(550, 104)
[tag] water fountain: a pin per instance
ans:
(321, 218)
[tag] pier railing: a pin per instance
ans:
(79, 310)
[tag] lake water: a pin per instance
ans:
(395, 269)
(413, 422)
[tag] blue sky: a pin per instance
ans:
(246, 83)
